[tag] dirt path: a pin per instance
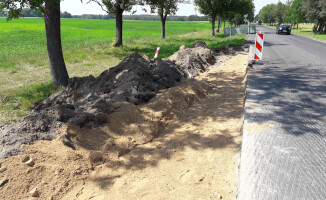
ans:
(196, 157)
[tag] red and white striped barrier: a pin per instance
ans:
(259, 45)
(157, 50)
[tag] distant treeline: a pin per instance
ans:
(90, 16)
(170, 18)
(34, 13)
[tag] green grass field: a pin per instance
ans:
(25, 38)
(24, 72)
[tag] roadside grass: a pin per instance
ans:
(28, 81)
(306, 30)
(17, 103)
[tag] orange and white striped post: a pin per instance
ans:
(259, 45)
(157, 50)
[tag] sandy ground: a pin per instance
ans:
(196, 156)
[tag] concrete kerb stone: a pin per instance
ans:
(250, 65)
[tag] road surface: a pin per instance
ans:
(283, 154)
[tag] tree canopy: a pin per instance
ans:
(212, 9)
(15, 9)
(296, 14)
(316, 13)
(232, 10)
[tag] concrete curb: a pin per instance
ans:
(250, 65)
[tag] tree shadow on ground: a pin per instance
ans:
(294, 97)
(227, 95)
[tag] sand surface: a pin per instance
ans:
(195, 155)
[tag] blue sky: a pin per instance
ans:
(75, 7)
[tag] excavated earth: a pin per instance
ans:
(97, 121)
(87, 101)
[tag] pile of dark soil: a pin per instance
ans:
(86, 102)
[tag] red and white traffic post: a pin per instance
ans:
(259, 45)
(157, 50)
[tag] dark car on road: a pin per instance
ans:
(284, 29)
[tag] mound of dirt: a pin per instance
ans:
(194, 60)
(88, 100)
(200, 44)
(201, 118)
(70, 160)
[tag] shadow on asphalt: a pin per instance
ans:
(294, 97)
(273, 44)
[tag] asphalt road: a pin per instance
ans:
(283, 154)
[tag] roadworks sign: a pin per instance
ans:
(259, 45)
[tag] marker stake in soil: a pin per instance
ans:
(157, 50)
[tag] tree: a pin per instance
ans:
(295, 13)
(164, 8)
(281, 11)
(268, 13)
(51, 11)
(65, 14)
(316, 12)
(211, 8)
(116, 8)
(233, 10)
(241, 8)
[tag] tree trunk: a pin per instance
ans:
(58, 69)
(224, 23)
(219, 25)
(163, 21)
(118, 26)
(320, 28)
(213, 26)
